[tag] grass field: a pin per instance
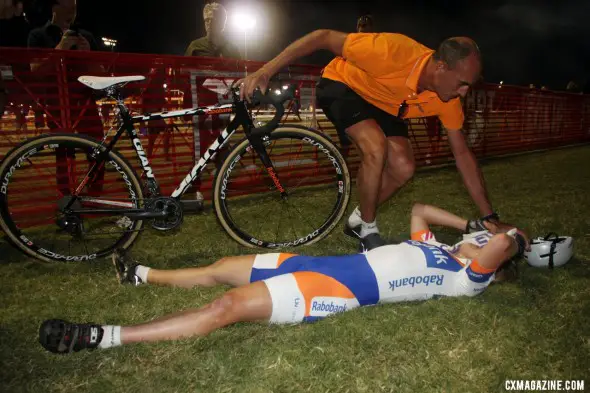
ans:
(537, 327)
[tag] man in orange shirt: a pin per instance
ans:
(376, 82)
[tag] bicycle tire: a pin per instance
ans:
(292, 132)
(11, 164)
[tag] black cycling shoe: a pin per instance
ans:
(125, 271)
(371, 241)
(59, 336)
(354, 232)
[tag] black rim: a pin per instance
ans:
(245, 157)
(42, 149)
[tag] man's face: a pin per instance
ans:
(64, 13)
(364, 24)
(215, 23)
(456, 82)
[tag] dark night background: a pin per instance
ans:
(541, 42)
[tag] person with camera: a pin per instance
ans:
(61, 33)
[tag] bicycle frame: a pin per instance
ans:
(243, 118)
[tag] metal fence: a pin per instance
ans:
(499, 119)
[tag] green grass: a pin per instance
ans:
(534, 328)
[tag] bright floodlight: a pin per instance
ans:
(109, 42)
(243, 20)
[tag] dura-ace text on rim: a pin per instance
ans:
(306, 137)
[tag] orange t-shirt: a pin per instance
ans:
(384, 68)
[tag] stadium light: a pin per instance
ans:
(109, 42)
(244, 20)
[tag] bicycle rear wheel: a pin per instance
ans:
(314, 175)
(38, 179)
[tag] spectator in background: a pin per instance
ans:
(153, 99)
(14, 27)
(213, 44)
(364, 24)
(14, 30)
(61, 33)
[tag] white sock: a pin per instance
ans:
(142, 272)
(355, 218)
(369, 227)
(111, 336)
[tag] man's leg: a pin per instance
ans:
(373, 149)
(234, 271)
(89, 123)
(249, 303)
(399, 168)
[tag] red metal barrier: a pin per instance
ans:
(499, 119)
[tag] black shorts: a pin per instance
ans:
(344, 108)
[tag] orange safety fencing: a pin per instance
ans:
(499, 119)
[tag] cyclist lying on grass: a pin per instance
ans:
(287, 288)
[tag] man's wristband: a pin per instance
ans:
(493, 216)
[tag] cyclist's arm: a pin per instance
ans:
(319, 39)
(425, 215)
(500, 248)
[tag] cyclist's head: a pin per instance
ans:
(457, 67)
(364, 24)
(215, 17)
(64, 13)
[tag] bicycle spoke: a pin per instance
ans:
(35, 215)
(280, 220)
(304, 170)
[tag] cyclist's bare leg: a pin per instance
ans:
(249, 303)
(234, 271)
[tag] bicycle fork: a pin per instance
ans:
(257, 140)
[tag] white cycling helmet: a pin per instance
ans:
(550, 251)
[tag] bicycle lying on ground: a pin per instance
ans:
(67, 197)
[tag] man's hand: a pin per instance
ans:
(67, 42)
(496, 226)
(9, 10)
(258, 79)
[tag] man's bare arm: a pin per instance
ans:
(320, 39)
(470, 171)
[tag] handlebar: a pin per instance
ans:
(276, 98)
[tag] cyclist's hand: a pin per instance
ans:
(247, 85)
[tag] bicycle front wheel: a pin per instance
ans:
(310, 169)
(41, 217)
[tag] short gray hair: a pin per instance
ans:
(212, 9)
(453, 50)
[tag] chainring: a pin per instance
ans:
(171, 207)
